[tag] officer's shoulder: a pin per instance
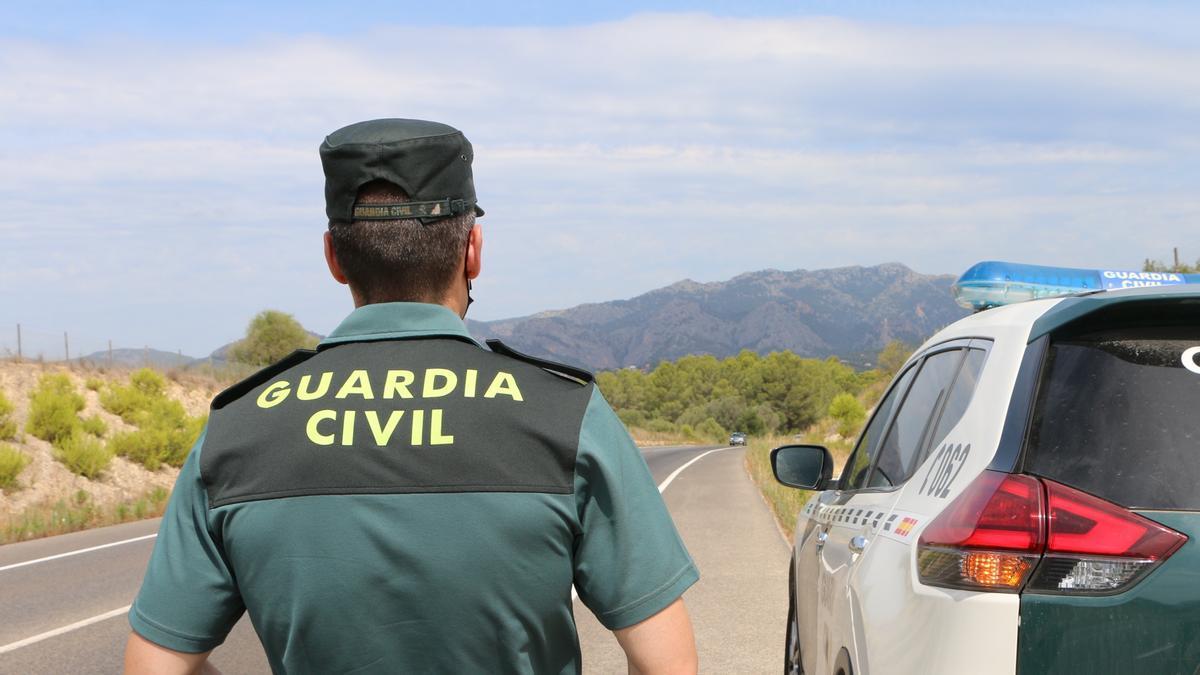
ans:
(562, 370)
(244, 387)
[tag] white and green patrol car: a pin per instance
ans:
(1025, 497)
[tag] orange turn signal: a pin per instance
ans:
(995, 570)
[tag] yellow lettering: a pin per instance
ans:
(435, 429)
(418, 426)
(314, 434)
(348, 428)
(397, 384)
(358, 383)
(274, 394)
(506, 384)
(431, 389)
(469, 383)
(303, 393)
(383, 435)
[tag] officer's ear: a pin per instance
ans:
(335, 268)
(474, 261)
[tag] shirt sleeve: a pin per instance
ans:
(630, 563)
(189, 600)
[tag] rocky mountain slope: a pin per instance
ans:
(848, 312)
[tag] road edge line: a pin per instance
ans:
(663, 485)
(13, 646)
(82, 550)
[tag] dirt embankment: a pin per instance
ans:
(45, 481)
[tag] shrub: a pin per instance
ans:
(131, 401)
(93, 383)
(165, 433)
(712, 430)
(94, 426)
(8, 426)
(12, 462)
(83, 455)
(848, 413)
(660, 426)
(156, 444)
(54, 409)
(632, 418)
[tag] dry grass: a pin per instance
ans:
(78, 512)
(645, 437)
(786, 502)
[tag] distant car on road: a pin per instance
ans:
(1022, 500)
(737, 438)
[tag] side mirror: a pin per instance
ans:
(808, 467)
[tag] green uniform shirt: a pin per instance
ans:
(403, 500)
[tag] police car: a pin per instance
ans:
(1026, 495)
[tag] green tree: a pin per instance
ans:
(893, 355)
(270, 336)
(848, 413)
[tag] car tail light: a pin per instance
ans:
(1008, 532)
(1096, 547)
(990, 537)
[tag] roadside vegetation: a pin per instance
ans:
(705, 398)
(82, 437)
(776, 399)
(8, 424)
(54, 408)
(79, 512)
(164, 434)
(85, 446)
(12, 463)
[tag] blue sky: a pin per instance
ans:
(160, 182)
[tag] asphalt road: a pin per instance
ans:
(67, 614)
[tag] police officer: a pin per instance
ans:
(402, 499)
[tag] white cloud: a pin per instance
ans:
(612, 158)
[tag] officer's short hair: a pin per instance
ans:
(400, 260)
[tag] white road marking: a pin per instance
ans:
(82, 550)
(64, 629)
(663, 485)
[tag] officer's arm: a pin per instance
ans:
(143, 657)
(662, 644)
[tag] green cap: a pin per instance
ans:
(430, 161)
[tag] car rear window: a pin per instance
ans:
(1118, 415)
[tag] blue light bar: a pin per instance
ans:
(992, 284)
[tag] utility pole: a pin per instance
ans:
(110, 353)
(1176, 268)
(66, 348)
(19, 342)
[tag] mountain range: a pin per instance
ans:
(846, 312)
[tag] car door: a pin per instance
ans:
(813, 593)
(864, 513)
(885, 632)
